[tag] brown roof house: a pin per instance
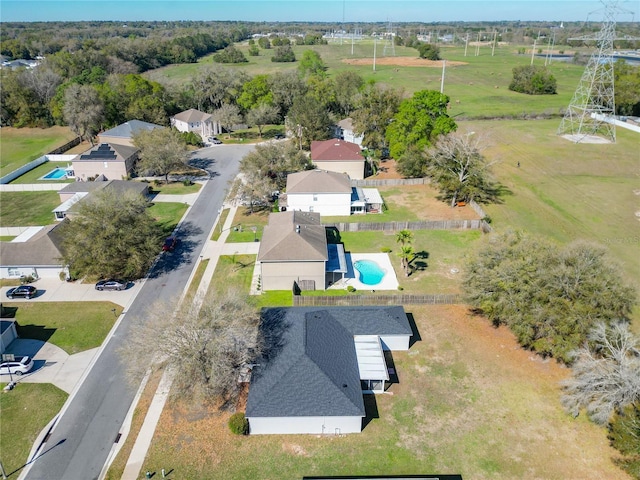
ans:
(193, 120)
(112, 160)
(36, 252)
(293, 249)
(338, 156)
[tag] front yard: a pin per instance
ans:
(245, 222)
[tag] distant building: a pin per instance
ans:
(338, 156)
(193, 120)
(123, 133)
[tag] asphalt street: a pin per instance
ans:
(81, 440)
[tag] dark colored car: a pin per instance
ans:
(278, 136)
(17, 366)
(169, 244)
(23, 291)
(111, 284)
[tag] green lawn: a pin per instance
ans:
(33, 176)
(19, 146)
(168, 214)
(72, 326)
(25, 411)
(566, 191)
(176, 188)
(478, 88)
(21, 209)
(232, 271)
(244, 222)
(223, 218)
(6, 238)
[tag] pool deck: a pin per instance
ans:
(389, 281)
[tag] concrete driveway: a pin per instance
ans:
(51, 364)
(54, 290)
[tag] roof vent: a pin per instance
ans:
(297, 228)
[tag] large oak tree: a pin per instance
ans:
(161, 151)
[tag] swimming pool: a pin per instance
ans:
(370, 272)
(55, 174)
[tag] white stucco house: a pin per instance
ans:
(318, 364)
(328, 193)
(338, 156)
(344, 131)
(193, 120)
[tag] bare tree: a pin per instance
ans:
(227, 115)
(606, 373)
(83, 110)
(43, 82)
(206, 346)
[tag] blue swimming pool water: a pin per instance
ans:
(55, 174)
(370, 272)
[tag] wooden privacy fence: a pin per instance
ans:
(370, 300)
(409, 225)
(384, 182)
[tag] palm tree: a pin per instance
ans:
(406, 255)
(404, 237)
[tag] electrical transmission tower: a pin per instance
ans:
(593, 100)
(390, 43)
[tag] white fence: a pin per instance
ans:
(33, 164)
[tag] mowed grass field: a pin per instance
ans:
(19, 146)
(478, 88)
(468, 401)
(566, 191)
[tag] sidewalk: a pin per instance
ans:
(212, 252)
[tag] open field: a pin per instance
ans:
(566, 191)
(19, 146)
(20, 209)
(25, 411)
(72, 326)
(469, 401)
(477, 86)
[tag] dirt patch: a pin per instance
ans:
(422, 200)
(387, 169)
(402, 62)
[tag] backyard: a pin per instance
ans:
(19, 146)
(469, 401)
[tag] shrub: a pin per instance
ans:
(428, 51)
(284, 54)
(187, 182)
(230, 55)
(238, 424)
(533, 80)
(385, 250)
(351, 289)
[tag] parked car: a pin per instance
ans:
(17, 366)
(169, 244)
(214, 140)
(278, 136)
(23, 291)
(111, 284)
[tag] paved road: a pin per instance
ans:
(81, 440)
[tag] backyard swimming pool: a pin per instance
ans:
(370, 272)
(55, 174)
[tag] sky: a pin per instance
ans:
(352, 11)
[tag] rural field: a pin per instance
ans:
(469, 400)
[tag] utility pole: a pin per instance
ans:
(493, 46)
(466, 44)
(444, 64)
(533, 51)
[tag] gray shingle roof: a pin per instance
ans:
(43, 249)
(119, 186)
(281, 240)
(318, 181)
(130, 128)
(192, 115)
(310, 366)
(107, 152)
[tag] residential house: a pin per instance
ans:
(328, 193)
(114, 161)
(36, 252)
(344, 131)
(319, 362)
(293, 249)
(193, 120)
(123, 133)
(338, 156)
(74, 192)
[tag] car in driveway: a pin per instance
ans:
(169, 244)
(17, 366)
(214, 141)
(23, 291)
(111, 284)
